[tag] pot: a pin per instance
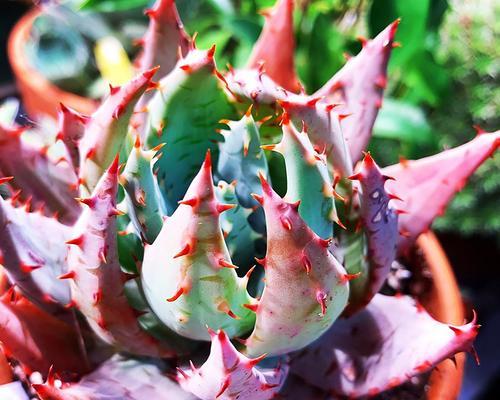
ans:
(40, 96)
(444, 302)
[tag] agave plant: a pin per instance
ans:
(131, 249)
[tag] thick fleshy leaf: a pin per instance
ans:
(47, 183)
(34, 254)
(242, 159)
(96, 278)
(227, 374)
(380, 224)
(117, 379)
(306, 287)
(71, 125)
(37, 339)
(384, 345)
(275, 49)
(307, 180)
(188, 276)
(185, 114)
(107, 128)
(427, 185)
(323, 124)
(164, 38)
(146, 207)
(359, 87)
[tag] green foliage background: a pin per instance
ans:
(442, 80)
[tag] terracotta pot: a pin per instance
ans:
(39, 95)
(444, 302)
(5, 370)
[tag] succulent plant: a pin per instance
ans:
(126, 243)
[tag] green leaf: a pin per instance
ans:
(110, 5)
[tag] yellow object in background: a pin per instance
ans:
(112, 61)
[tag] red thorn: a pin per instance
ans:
(270, 147)
(285, 118)
(211, 52)
(381, 82)
(224, 207)
(180, 371)
(286, 223)
(97, 297)
(295, 205)
(67, 275)
(350, 277)
(321, 299)
(193, 202)
(306, 263)
(312, 103)
(254, 361)
(249, 272)
(260, 261)
(399, 212)
(343, 116)
(71, 304)
(90, 201)
(113, 89)
(388, 178)
(177, 294)
(340, 223)
(251, 307)
(207, 163)
(76, 241)
(184, 252)
(248, 113)
(150, 73)
(356, 177)
(325, 242)
(362, 40)
(232, 315)
(28, 269)
(394, 197)
(6, 179)
(258, 198)
(224, 387)
(225, 264)
(113, 168)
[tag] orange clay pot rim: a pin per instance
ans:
(21, 65)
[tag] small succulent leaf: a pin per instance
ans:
(146, 207)
(47, 183)
(308, 181)
(380, 224)
(106, 131)
(227, 374)
(163, 39)
(71, 128)
(37, 339)
(185, 113)
(359, 88)
(275, 50)
(240, 238)
(34, 254)
(96, 277)
(118, 379)
(241, 159)
(188, 276)
(437, 178)
(371, 351)
(323, 126)
(305, 290)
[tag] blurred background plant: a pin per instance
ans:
(442, 80)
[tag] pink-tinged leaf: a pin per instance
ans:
(274, 51)
(107, 128)
(49, 184)
(164, 39)
(322, 123)
(71, 125)
(427, 185)
(97, 282)
(359, 87)
(37, 339)
(228, 374)
(117, 379)
(34, 254)
(380, 223)
(383, 346)
(306, 288)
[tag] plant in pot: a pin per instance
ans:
(187, 259)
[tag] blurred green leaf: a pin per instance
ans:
(404, 122)
(110, 5)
